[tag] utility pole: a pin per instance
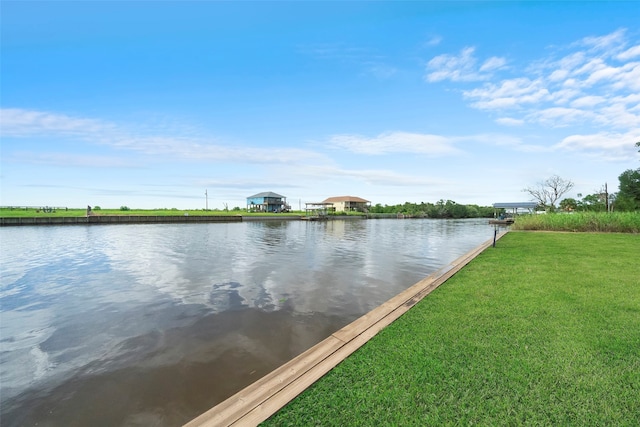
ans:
(206, 197)
(606, 197)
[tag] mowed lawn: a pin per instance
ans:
(544, 329)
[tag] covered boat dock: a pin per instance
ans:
(511, 209)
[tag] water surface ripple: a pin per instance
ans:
(152, 324)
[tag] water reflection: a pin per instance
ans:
(153, 324)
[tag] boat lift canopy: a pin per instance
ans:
(516, 206)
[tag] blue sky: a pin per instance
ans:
(148, 104)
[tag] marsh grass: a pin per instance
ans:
(621, 222)
(544, 329)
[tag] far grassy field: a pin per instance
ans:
(74, 212)
(71, 212)
(544, 329)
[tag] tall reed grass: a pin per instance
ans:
(614, 222)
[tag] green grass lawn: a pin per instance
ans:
(544, 329)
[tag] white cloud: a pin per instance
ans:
(396, 142)
(510, 93)
(581, 87)
(560, 116)
(565, 95)
(587, 101)
(559, 75)
(504, 141)
(618, 115)
(569, 62)
(71, 160)
(19, 123)
(608, 145)
(508, 121)
(493, 63)
(460, 67)
(16, 122)
(607, 42)
(630, 53)
(434, 41)
(628, 78)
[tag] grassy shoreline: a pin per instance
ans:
(75, 213)
(618, 222)
(544, 329)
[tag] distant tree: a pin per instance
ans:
(124, 208)
(613, 199)
(549, 191)
(441, 209)
(569, 204)
(96, 208)
(593, 202)
(455, 210)
(629, 195)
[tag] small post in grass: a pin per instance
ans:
(495, 233)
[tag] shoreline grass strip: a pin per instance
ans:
(544, 329)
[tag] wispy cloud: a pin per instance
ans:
(433, 41)
(71, 160)
(462, 67)
(369, 60)
(613, 41)
(610, 145)
(502, 140)
(429, 145)
(632, 52)
(382, 177)
(595, 81)
(396, 142)
(493, 63)
(15, 122)
(19, 123)
(508, 121)
(508, 94)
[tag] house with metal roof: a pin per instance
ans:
(267, 201)
(348, 204)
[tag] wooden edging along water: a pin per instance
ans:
(263, 398)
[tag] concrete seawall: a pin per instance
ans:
(258, 401)
(117, 219)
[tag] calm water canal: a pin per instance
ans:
(155, 324)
